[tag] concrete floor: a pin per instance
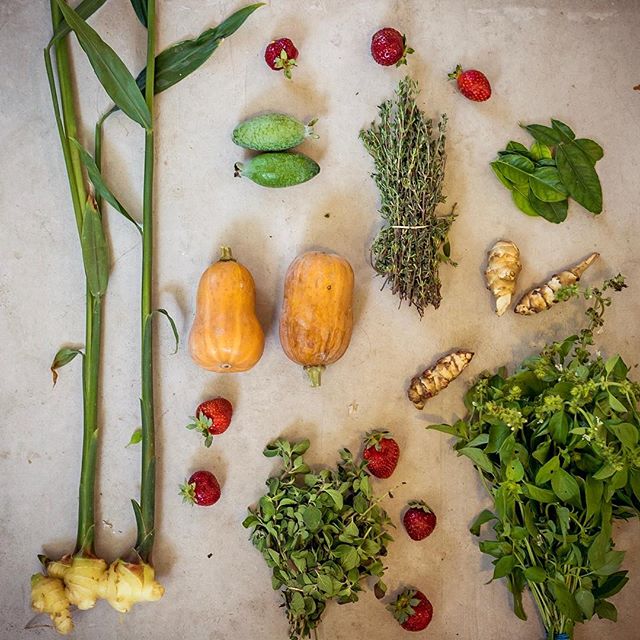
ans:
(573, 59)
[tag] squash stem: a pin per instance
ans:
(145, 518)
(315, 374)
(66, 120)
(225, 254)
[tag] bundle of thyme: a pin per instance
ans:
(409, 170)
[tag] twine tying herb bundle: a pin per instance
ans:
(409, 160)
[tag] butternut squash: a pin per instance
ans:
(317, 313)
(226, 336)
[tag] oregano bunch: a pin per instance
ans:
(557, 447)
(322, 533)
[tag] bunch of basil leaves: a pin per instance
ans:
(556, 166)
(556, 445)
(320, 532)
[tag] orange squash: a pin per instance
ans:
(317, 313)
(226, 336)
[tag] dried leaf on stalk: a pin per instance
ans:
(64, 356)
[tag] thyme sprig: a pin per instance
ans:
(409, 158)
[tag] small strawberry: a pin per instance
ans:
(212, 418)
(381, 453)
(281, 55)
(389, 46)
(472, 84)
(419, 520)
(412, 610)
(202, 489)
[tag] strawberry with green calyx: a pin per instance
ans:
(412, 610)
(281, 55)
(473, 84)
(212, 418)
(202, 488)
(381, 453)
(389, 47)
(419, 520)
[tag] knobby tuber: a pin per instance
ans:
(503, 267)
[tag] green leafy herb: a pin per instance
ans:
(556, 446)
(555, 167)
(321, 533)
(409, 160)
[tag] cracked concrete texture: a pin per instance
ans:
(573, 60)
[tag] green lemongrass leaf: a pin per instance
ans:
(535, 574)
(140, 7)
(579, 176)
(607, 611)
(586, 602)
(514, 167)
(520, 196)
(95, 250)
(64, 356)
(482, 518)
(555, 212)
(545, 135)
(85, 10)
(183, 58)
(565, 131)
(540, 151)
(172, 323)
(100, 185)
(112, 73)
(479, 458)
(136, 437)
(546, 185)
(591, 149)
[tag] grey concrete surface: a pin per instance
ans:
(576, 60)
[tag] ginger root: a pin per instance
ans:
(544, 297)
(503, 267)
(48, 596)
(82, 579)
(433, 380)
(125, 584)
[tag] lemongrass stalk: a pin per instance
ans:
(145, 515)
(66, 120)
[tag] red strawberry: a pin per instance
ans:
(212, 418)
(202, 489)
(281, 55)
(381, 453)
(419, 520)
(472, 84)
(412, 610)
(389, 46)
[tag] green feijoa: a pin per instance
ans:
(278, 169)
(272, 132)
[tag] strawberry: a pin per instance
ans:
(389, 46)
(473, 84)
(419, 520)
(412, 610)
(202, 489)
(212, 418)
(381, 453)
(281, 55)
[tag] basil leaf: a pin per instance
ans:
(607, 611)
(612, 585)
(586, 602)
(95, 250)
(559, 427)
(540, 495)
(565, 486)
(548, 470)
(112, 73)
(535, 574)
(482, 518)
(565, 600)
(579, 176)
(479, 458)
(593, 490)
(183, 58)
(503, 567)
(546, 185)
(625, 432)
(564, 130)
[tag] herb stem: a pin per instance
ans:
(146, 520)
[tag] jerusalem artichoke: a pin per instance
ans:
(544, 297)
(433, 380)
(503, 267)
